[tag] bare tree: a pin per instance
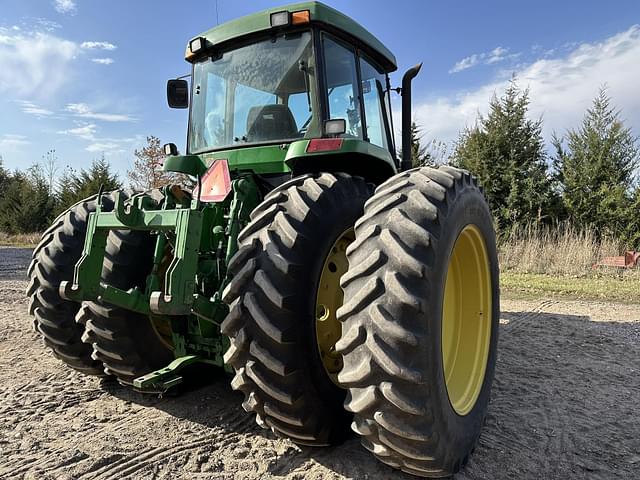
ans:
(50, 167)
(147, 170)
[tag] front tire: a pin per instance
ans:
(53, 261)
(420, 329)
(273, 302)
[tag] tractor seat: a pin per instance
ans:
(270, 122)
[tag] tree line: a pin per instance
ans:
(590, 178)
(30, 200)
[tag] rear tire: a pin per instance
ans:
(272, 302)
(393, 344)
(53, 261)
(125, 341)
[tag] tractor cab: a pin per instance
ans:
(294, 81)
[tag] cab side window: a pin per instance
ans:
(373, 94)
(342, 85)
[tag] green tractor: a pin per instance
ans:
(340, 287)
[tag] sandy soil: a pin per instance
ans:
(565, 405)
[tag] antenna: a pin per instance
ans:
(217, 17)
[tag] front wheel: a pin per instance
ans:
(420, 327)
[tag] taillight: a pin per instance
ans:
(216, 183)
(324, 145)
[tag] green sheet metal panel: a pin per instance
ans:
(320, 13)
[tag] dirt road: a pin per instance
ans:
(565, 405)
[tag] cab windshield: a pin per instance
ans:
(258, 93)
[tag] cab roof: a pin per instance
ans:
(319, 14)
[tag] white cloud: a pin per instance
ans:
(64, 6)
(84, 111)
(46, 24)
(34, 109)
(98, 46)
(104, 147)
(465, 63)
(496, 55)
(86, 132)
(561, 88)
(12, 142)
(34, 64)
(102, 61)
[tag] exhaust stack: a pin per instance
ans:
(409, 75)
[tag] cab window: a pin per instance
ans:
(373, 95)
(342, 86)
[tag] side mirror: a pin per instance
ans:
(170, 149)
(178, 93)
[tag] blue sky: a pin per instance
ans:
(87, 78)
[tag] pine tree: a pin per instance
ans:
(596, 170)
(147, 170)
(505, 150)
(420, 155)
(632, 235)
(26, 205)
(74, 186)
(5, 177)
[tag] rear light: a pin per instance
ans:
(216, 183)
(303, 16)
(324, 145)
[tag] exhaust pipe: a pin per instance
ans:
(409, 75)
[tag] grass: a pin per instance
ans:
(534, 263)
(24, 240)
(558, 262)
(562, 250)
(621, 289)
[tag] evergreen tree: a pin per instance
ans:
(505, 150)
(596, 170)
(26, 204)
(632, 235)
(75, 186)
(419, 154)
(147, 170)
(5, 177)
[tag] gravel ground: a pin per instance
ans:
(564, 406)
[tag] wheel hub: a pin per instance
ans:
(329, 298)
(466, 319)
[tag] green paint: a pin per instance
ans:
(162, 380)
(258, 159)
(187, 164)
(320, 14)
(298, 150)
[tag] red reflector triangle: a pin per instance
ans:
(216, 183)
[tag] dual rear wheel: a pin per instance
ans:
(407, 342)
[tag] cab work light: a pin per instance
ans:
(194, 47)
(280, 19)
(216, 183)
(196, 44)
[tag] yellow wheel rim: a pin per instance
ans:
(329, 298)
(466, 319)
